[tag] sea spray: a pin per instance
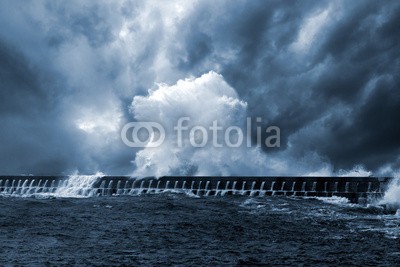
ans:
(392, 195)
(78, 186)
(184, 103)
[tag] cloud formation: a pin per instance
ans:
(201, 102)
(325, 72)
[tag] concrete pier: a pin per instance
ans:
(356, 189)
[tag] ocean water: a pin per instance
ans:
(178, 229)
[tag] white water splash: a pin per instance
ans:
(357, 171)
(204, 100)
(335, 200)
(392, 194)
(78, 186)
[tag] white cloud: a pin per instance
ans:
(203, 100)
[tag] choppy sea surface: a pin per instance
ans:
(181, 230)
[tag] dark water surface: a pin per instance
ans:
(175, 229)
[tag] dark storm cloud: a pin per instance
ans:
(16, 73)
(373, 137)
(366, 52)
(28, 141)
(37, 134)
(359, 44)
(330, 84)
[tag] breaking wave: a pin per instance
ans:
(392, 195)
(78, 186)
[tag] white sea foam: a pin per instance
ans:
(334, 200)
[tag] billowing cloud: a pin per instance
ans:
(325, 72)
(197, 103)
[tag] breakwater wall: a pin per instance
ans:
(356, 189)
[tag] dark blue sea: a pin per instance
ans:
(179, 230)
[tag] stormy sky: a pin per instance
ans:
(73, 73)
